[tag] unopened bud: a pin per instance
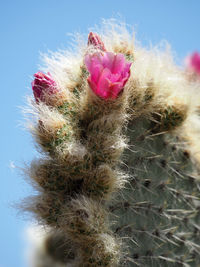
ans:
(95, 40)
(43, 85)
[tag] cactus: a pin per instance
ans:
(118, 181)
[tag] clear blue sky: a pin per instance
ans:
(30, 27)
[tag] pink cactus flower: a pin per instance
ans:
(193, 63)
(43, 85)
(95, 40)
(109, 73)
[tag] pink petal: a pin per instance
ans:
(118, 63)
(105, 75)
(127, 67)
(96, 73)
(92, 85)
(104, 83)
(114, 62)
(103, 91)
(115, 77)
(114, 90)
(88, 62)
(108, 60)
(195, 61)
(92, 60)
(125, 78)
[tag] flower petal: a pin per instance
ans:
(127, 67)
(96, 73)
(118, 63)
(195, 62)
(105, 75)
(114, 90)
(108, 59)
(92, 85)
(92, 60)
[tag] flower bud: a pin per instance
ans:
(193, 63)
(43, 86)
(95, 40)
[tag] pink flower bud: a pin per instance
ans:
(193, 63)
(109, 73)
(43, 85)
(95, 40)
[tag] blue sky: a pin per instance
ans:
(30, 27)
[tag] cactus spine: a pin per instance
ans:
(118, 183)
